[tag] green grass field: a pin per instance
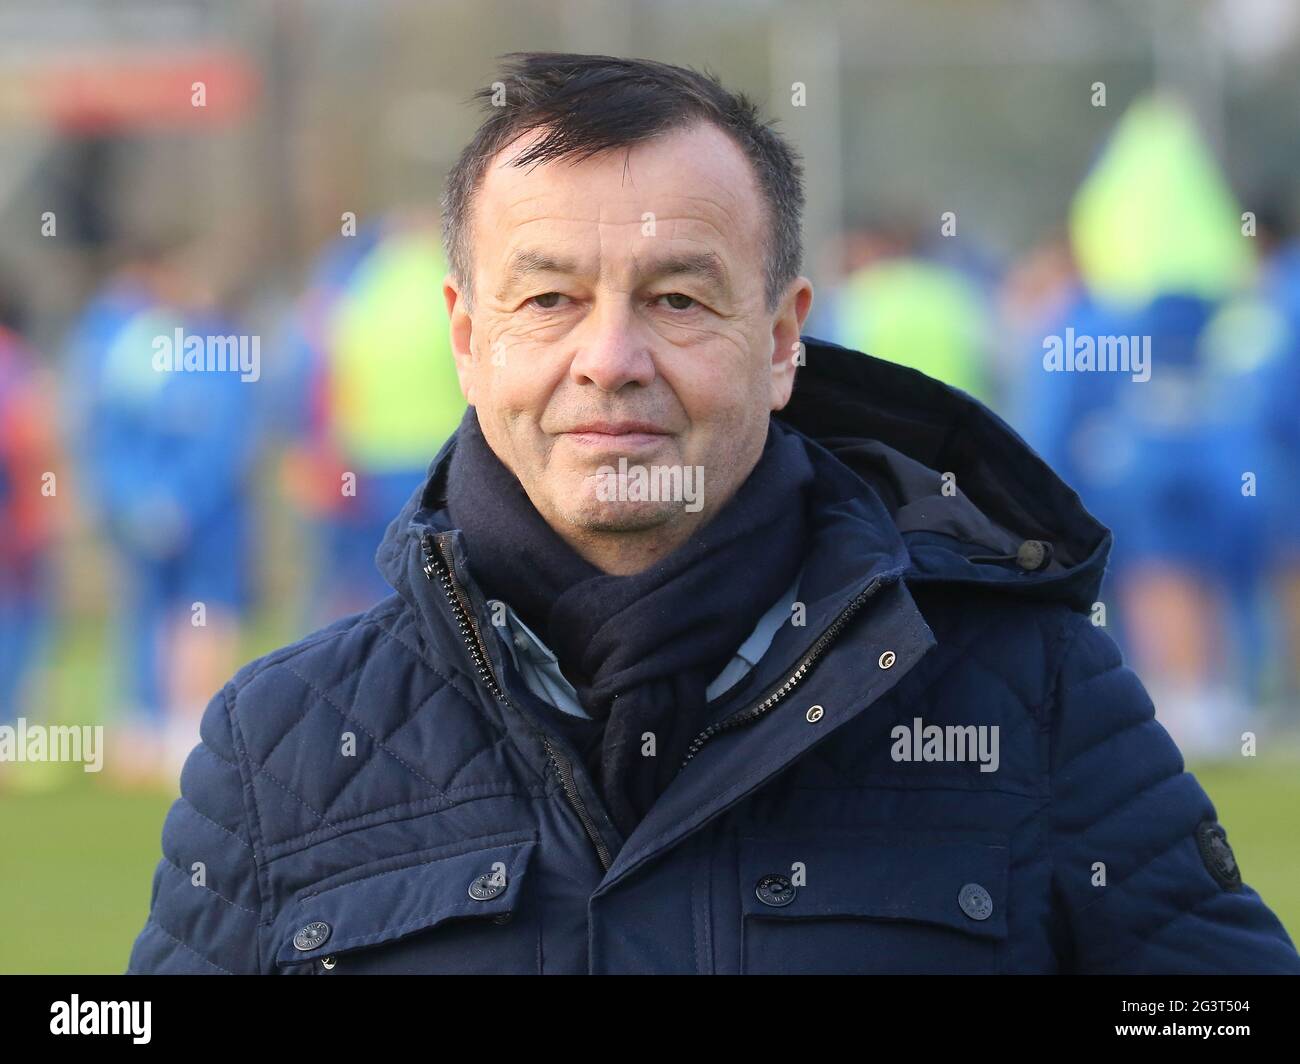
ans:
(76, 863)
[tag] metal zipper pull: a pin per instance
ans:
(778, 693)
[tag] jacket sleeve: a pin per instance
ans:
(1142, 882)
(205, 906)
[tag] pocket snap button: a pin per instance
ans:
(1033, 554)
(975, 901)
(311, 936)
(775, 890)
(487, 886)
(886, 659)
(814, 714)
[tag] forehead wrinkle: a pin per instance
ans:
(536, 208)
(708, 220)
(727, 228)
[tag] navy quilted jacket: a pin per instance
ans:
(387, 796)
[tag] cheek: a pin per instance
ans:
(514, 375)
(720, 390)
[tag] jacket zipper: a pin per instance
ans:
(438, 565)
(792, 681)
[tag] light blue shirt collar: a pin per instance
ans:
(540, 669)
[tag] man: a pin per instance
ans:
(165, 460)
(380, 398)
(841, 710)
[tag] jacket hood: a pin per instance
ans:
(972, 501)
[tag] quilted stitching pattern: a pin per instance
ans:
(1122, 799)
(1091, 777)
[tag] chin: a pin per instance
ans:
(593, 515)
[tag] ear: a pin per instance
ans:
(787, 349)
(462, 335)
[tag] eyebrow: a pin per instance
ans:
(705, 265)
(526, 262)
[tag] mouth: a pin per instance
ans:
(617, 435)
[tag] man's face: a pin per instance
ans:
(619, 313)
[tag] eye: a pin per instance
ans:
(677, 301)
(546, 301)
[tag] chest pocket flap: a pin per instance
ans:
(874, 903)
(382, 904)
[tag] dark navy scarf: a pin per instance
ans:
(640, 650)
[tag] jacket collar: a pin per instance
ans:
(961, 485)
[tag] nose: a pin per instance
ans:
(611, 353)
